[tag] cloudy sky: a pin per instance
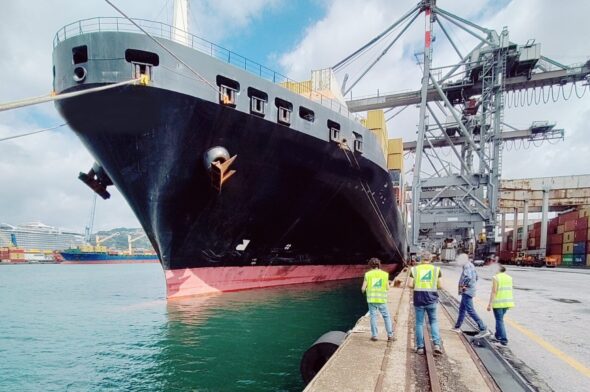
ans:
(38, 174)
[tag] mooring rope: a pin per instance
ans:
(56, 97)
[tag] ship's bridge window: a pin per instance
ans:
(228, 90)
(334, 128)
(358, 142)
(306, 114)
(80, 54)
(258, 100)
(284, 111)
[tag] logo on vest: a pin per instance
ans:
(378, 284)
(427, 277)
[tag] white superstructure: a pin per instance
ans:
(36, 235)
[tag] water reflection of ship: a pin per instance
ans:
(256, 336)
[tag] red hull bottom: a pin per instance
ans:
(209, 280)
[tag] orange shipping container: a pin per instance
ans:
(568, 237)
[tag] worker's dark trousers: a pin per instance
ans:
(467, 307)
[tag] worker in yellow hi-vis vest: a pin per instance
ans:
(376, 285)
(501, 299)
(426, 280)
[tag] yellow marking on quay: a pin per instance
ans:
(543, 343)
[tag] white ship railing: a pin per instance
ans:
(162, 30)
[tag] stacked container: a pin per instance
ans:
(574, 228)
(568, 238)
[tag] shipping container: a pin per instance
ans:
(568, 237)
(570, 225)
(582, 223)
(555, 250)
(581, 235)
(579, 248)
(567, 259)
(560, 229)
(588, 259)
(532, 243)
(568, 217)
(579, 259)
(568, 248)
(555, 239)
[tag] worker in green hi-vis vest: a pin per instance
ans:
(376, 285)
(501, 299)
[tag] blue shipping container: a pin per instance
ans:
(579, 260)
(580, 248)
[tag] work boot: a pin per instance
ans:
(420, 351)
(392, 338)
(374, 338)
(437, 350)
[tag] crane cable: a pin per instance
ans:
(201, 77)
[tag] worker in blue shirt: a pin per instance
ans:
(467, 283)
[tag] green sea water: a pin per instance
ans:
(109, 328)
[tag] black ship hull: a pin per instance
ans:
(297, 209)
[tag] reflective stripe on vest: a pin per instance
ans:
(504, 298)
(377, 284)
(425, 277)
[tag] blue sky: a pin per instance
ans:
(275, 31)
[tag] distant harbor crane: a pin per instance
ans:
(131, 240)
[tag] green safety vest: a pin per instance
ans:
(504, 298)
(425, 277)
(377, 286)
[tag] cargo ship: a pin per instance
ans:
(240, 177)
(101, 255)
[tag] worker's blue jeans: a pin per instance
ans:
(380, 308)
(432, 320)
(466, 307)
(500, 328)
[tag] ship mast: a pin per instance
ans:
(180, 22)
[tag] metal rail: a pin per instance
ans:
(165, 31)
(430, 364)
(504, 375)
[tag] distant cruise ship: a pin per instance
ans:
(37, 235)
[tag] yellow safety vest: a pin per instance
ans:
(425, 277)
(504, 298)
(377, 285)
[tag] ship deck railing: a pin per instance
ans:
(166, 31)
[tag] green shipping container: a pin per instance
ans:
(567, 259)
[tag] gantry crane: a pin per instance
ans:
(462, 111)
